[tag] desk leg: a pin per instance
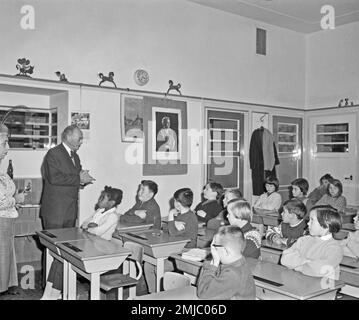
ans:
(160, 266)
(48, 262)
(71, 284)
(65, 280)
(95, 286)
(132, 289)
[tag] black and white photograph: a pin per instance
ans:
(166, 133)
(184, 150)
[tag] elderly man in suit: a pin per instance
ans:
(63, 176)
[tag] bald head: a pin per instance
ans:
(72, 136)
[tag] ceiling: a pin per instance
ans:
(299, 15)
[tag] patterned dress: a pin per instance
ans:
(8, 213)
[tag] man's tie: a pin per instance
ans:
(73, 157)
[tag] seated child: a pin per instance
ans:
(210, 207)
(240, 215)
(334, 196)
(270, 200)
(300, 189)
(317, 254)
(320, 191)
(351, 243)
(293, 225)
(146, 209)
(221, 219)
(181, 222)
(227, 275)
(103, 222)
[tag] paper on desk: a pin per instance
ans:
(195, 254)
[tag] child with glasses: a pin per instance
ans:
(227, 275)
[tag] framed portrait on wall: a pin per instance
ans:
(165, 137)
(131, 118)
(165, 133)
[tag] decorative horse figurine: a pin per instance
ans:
(61, 76)
(108, 78)
(24, 67)
(174, 87)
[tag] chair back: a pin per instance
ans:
(174, 280)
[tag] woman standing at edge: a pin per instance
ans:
(8, 200)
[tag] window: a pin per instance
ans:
(333, 138)
(287, 134)
(31, 129)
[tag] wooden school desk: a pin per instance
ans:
(90, 258)
(275, 281)
(49, 239)
(184, 293)
(349, 271)
(130, 227)
(158, 246)
(349, 267)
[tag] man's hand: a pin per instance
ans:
(201, 213)
(180, 225)
(85, 177)
(141, 214)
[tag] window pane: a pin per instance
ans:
(223, 135)
(223, 124)
(224, 146)
(332, 148)
(286, 147)
(335, 127)
(333, 137)
(285, 127)
(286, 138)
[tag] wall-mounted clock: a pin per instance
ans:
(141, 77)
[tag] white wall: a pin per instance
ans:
(210, 52)
(105, 155)
(332, 67)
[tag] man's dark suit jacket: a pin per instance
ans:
(59, 202)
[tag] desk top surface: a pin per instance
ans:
(184, 293)
(272, 245)
(124, 227)
(93, 248)
(154, 238)
(281, 279)
(60, 235)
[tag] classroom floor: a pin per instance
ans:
(83, 289)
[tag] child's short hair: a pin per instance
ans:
(184, 196)
(327, 176)
(217, 187)
(152, 186)
(113, 194)
(272, 180)
(302, 184)
(236, 193)
(297, 207)
(241, 209)
(338, 184)
(328, 217)
(232, 237)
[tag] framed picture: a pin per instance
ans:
(165, 138)
(131, 118)
(165, 133)
(81, 119)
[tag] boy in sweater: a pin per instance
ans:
(182, 222)
(146, 210)
(318, 254)
(227, 275)
(293, 225)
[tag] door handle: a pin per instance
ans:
(349, 178)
